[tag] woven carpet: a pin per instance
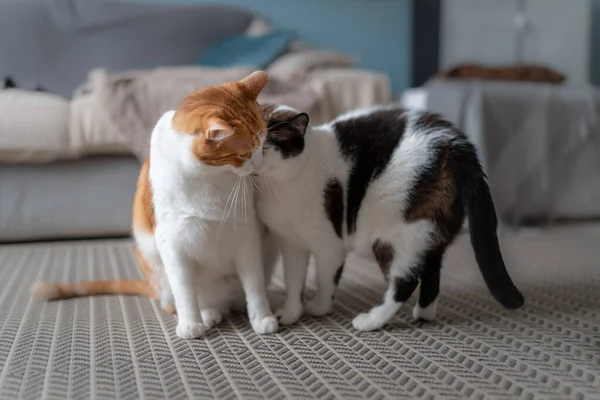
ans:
(125, 347)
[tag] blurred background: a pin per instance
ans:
(82, 83)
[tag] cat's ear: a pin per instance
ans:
(300, 123)
(254, 83)
(217, 130)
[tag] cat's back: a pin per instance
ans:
(387, 150)
(373, 140)
(373, 134)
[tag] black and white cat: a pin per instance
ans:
(386, 183)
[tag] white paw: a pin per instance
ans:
(367, 322)
(211, 317)
(265, 325)
(428, 313)
(318, 308)
(289, 314)
(190, 330)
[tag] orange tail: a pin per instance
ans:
(57, 291)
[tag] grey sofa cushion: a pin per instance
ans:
(55, 43)
(90, 197)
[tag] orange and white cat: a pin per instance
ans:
(199, 250)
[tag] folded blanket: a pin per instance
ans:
(538, 143)
(125, 106)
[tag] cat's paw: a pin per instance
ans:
(289, 314)
(211, 317)
(318, 308)
(427, 313)
(265, 325)
(368, 322)
(190, 330)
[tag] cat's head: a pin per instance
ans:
(284, 145)
(225, 124)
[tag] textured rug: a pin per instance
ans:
(125, 347)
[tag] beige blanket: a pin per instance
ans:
(124, 107)
(114, 114)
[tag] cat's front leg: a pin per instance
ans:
(181, 275)
(248, 262)
(295, 265)
(330, 265)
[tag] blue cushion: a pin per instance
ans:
(241, 50)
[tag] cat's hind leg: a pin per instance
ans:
(401, 257)
(426, 307)
(400, 288)
(151, 266)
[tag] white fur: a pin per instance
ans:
(207, 241)
(428, 313)
(293, 208)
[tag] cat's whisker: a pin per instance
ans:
(274, 188)
(256, 186)
(225, 213)
(267, 183)
(237, 195)
(248, 194)
(231, 205)
(245, 203)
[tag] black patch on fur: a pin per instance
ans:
(287, 136)
(338, 275)
(436, 193)
(384, 255)
(290, 146)
(368, 143)
(334, 204)
(430, 276)
(404, 288)
(431, 121)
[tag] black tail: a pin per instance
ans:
(483, 224)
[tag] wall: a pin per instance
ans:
(378, 31)
(426, 40)
(595, 43)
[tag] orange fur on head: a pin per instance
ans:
(224, 119)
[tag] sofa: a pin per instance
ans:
(67, 153)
